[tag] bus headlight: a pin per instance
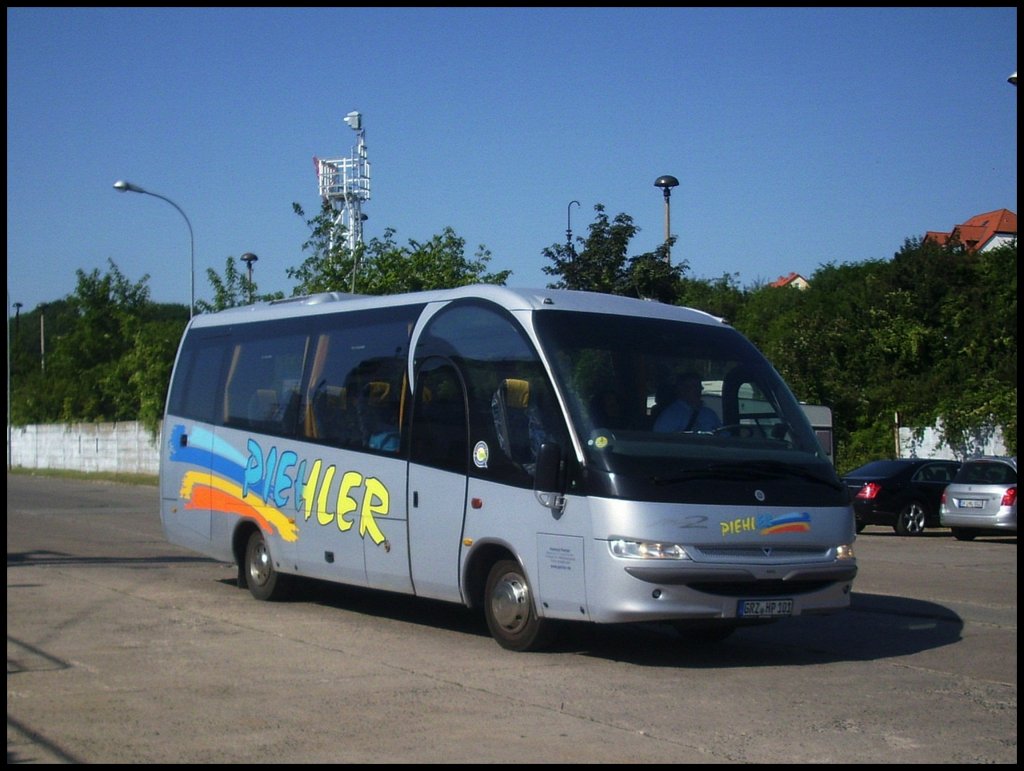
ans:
(647, 550)
(844, 552)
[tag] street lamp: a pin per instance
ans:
(1012, 80)
(568, 228)
(128, 186)
(666, 183)
(249, 258)
(17, 323)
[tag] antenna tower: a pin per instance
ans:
(345, 185)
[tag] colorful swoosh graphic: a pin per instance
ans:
(222, 495)
(222, 490)
(788, 523)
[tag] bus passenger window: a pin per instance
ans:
(328, 413)
(378, 415)
(262, 406)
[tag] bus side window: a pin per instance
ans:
(510, 406)
(355, 383)
(261, 393)
(262, 406)
(378, 417)
(195, 390)
(328, 413)
(439, 420)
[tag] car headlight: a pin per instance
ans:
(844, 552)
(647, 550)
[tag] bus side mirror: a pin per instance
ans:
(548, 476)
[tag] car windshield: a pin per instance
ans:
(665, 399)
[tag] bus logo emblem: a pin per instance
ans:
(480, 455)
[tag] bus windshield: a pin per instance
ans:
(663, 398)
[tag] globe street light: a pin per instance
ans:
(666, 183)
(249, 258)
(128, 186)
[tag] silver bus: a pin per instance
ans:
(509, 450)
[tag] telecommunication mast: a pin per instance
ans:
(345, 185)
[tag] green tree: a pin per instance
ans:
(929, 335)
(33, 398)
(722, 297)
(233, 289)
(111, 358)
(979, 361)
(145, 369)
(602, 265)
(439, 263)
(330, 266)
(382, 266)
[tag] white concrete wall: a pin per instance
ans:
(930, 444)
(126, 448)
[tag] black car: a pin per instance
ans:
(902, 493)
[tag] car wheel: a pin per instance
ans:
(509, 609)
(964, 534)
(910, 520)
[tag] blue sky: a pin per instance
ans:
(800, 137)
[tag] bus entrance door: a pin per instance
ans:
(438, 463)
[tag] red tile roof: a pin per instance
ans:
(979, 230)
(796, 278)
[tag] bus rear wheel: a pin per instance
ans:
(510, 612)
(263, 581)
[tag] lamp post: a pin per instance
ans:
(249, 258)
(128, 186)
(568, 228)
(666, 183)
(9, 462)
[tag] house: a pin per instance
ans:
(793, 279)
(981, 232)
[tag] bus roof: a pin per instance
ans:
(506, 297)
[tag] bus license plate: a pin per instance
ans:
(765, 608)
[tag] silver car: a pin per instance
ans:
(982, 498)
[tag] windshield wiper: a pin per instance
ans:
(764, 469)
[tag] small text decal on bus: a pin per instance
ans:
(768, 524)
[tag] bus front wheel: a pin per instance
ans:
(510, 612)
(264, 582)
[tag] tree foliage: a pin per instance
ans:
(603, 265)
(233, 289)
(382, 266)
(108, 356)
